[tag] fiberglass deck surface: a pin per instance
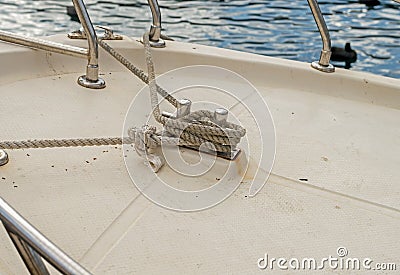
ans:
(335, 181)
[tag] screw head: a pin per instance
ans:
(3, 157)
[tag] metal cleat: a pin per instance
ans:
(108, 34)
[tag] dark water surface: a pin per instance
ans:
(277, 28)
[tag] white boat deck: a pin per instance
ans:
(335, 181)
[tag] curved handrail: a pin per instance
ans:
(42, 44)
(91, 79)
(155, 28)
(32, 245)
(325, 57)
(89, 30)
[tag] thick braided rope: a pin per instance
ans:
(190, 128)
(52, 143)
(211, 133)
(136, 71)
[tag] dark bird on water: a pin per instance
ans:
(347, 54)
(72, 13)
(370, 3)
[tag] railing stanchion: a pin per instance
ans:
(323, 64)
(155, 28)
(91, 79)
(32, 260)
(31, 244)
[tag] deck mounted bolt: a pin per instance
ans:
(3, 157)
(220, 116)
(183, 109)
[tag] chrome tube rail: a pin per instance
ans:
(91, 79)
(33, 246)
(323, 64)
(155, 28)
(42, 44)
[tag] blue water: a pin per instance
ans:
(277, 28)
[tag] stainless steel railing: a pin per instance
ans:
(91, 79)
(33, 246)
(42, 44)
(155, 28)
(323, 64)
